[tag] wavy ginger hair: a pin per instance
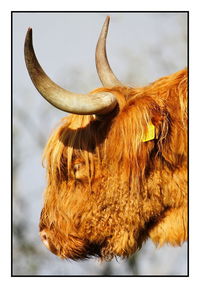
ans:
(108, 190)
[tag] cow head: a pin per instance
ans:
(113, 163)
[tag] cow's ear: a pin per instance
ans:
(157, 119)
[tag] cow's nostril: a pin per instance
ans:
(44, 238)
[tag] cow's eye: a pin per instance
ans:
(79, 171)
(77, 167)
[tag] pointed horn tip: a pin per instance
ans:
(29, 32)
(107, 20)
(28, 39)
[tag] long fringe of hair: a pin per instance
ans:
(162, 103)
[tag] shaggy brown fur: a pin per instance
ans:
(107, 190)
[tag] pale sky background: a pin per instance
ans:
(141, 47)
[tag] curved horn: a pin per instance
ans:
(104, 71)
(83, 104)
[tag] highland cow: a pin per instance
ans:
(116, 167)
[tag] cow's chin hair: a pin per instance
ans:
(70, 246)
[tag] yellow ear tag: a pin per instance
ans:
(150, 135)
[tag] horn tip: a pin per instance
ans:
(28, 40)
(30, 29)
(107, 19)
(29, 34)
